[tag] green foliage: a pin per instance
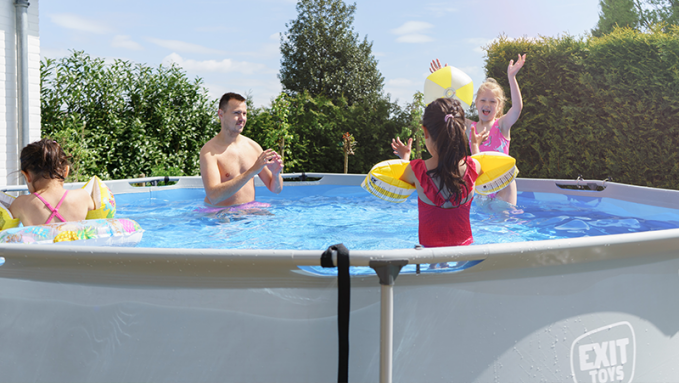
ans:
(414, 111)
(317, 125)
(636, 14)
(322, 55)
(122, 120)
(614, 13)
(597, 107)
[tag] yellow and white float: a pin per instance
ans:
(384, 179)
(449, 82)
(100, 228)
(498, 171)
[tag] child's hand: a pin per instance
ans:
(435, 65)
(514, 67)
(401, 150)
(478, 138)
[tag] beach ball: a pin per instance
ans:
(449, 82)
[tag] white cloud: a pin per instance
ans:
(410, 27)
(182, 46)
(78, 23)
(413, 32)
(414, 39)
(124, 41)
(276, 36)
(212, 66)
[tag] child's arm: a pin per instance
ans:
(401, 150)
(509, 119)
(404, 152)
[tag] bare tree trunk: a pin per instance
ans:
(346, 161)
(282, 145)
(419, 147)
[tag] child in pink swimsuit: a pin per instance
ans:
(45, 166)
(492, 132)
(445, 182)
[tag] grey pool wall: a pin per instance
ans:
(558, 311)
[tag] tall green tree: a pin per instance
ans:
(323, 55)
(635, 14)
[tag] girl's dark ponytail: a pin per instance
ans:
(444, 119)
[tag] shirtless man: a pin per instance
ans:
(229, 161)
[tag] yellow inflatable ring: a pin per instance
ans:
(100, 228)
(90, 232)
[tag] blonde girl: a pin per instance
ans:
(492, 132)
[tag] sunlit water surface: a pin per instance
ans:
(315, 217)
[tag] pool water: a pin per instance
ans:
(315, 217)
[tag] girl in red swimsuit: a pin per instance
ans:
(445, 182)
(45, 166)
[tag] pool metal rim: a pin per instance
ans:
(23, 261)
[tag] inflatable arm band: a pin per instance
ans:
(383, 181)
(498, 171)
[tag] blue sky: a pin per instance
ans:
(234, 46)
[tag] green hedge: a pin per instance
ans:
(121, 120)
(316, 126)
(596, 107)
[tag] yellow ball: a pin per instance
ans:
(449, 82)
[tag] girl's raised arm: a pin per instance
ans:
(511, 117)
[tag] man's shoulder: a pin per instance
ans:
(246, 141)
(208, 145)
(241, 144)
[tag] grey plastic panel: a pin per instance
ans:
(548, 311)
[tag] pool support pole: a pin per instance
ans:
(387, 272)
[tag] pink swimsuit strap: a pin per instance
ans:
(54, 210)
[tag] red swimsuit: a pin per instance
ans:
(440, 226)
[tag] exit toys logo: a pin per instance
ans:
(604, 355)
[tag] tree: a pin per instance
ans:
(322, 55)
(657, 11)
(635, 14)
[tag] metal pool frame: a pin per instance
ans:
(604, 279)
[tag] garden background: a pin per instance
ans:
(597, 106)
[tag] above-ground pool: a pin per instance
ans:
(591, 295)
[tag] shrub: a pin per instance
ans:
(597, 107)
(122, 120)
